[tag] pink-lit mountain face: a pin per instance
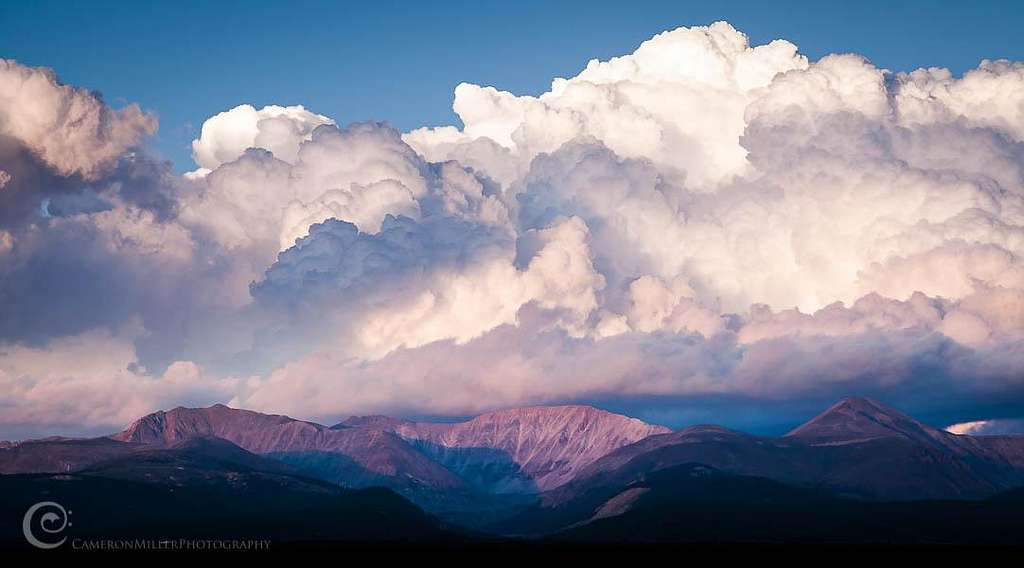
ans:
(548, 445)
(854, 420)
(522, 450)
(857, 448)
(859, 420)
(353, 457)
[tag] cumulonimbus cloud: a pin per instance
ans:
(71, 129)
(699, 220)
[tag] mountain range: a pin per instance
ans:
(563, 472)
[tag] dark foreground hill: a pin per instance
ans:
(694, 503)
(208, 489)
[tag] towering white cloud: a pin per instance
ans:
(71, 129)
(748, 197)
(989, 96)
(678, 100)
(701, 219)
(225, 136)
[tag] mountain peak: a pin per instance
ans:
(859, 419)
(864, 404)
(549, 444)
(166, 427)
(565, 411)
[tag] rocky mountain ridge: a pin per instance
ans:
(562, 463)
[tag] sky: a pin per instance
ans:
(679, 212)
(400, 61)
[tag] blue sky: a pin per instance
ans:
(400, 61)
